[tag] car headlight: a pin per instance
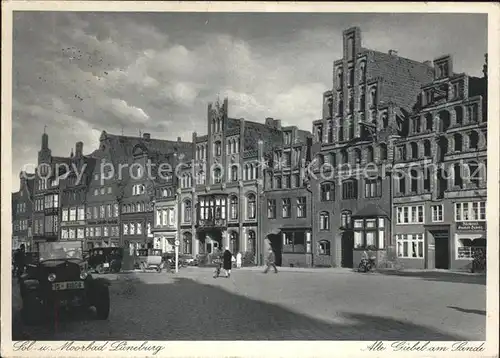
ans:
(83, 275)
(51, 277)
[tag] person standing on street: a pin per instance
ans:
(238, 260)
(19, 260)
(271, 261)
(227, 262)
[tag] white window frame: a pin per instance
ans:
(410, 238)
(437, 213)
(80, 213)
(406, 212)
(72, 214)
(324, 221)
(459, 211)
(65, 215)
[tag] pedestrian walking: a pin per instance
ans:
(238, 260)
(270, 261)
(227, 262)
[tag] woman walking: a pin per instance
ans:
(227, 262)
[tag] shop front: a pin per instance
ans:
(469, 239)
(292, 247)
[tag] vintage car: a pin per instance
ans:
(105, 259)
(59, 279)
(149, 259)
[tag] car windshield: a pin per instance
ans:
(60, 250)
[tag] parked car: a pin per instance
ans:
(149, 259)
(105, 259)
(59, 279)
(188, 260)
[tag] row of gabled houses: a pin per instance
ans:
(396, 165)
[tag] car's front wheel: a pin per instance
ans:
(102, 303)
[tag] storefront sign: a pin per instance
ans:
(471, 226)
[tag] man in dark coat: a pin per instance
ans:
(271, 261)
(19, 260)
(227, 262)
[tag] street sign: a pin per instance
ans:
(177, 243)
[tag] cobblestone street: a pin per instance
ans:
(322, 305)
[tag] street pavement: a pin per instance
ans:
(291, 305)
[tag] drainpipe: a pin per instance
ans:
(308, 188)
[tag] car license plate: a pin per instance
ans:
(106, 264)
(71, 285)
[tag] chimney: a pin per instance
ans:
(146, 136)
(179, 139)
(79, 149)
(269, 122)
(277, 124)
(393, 52)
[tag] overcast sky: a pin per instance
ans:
(81, 73)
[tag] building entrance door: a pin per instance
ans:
(347, 249)
(442, 249)
(213, 241)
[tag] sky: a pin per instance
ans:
(76, 74)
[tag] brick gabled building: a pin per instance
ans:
(74, 190)
(121, 192)
(223, 185)
(440, 183)
(372, 96)
(167, 203)
(46, 193)
(22, 212)
(285, 212)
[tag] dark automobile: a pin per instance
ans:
(105, 259)
(59, 279)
